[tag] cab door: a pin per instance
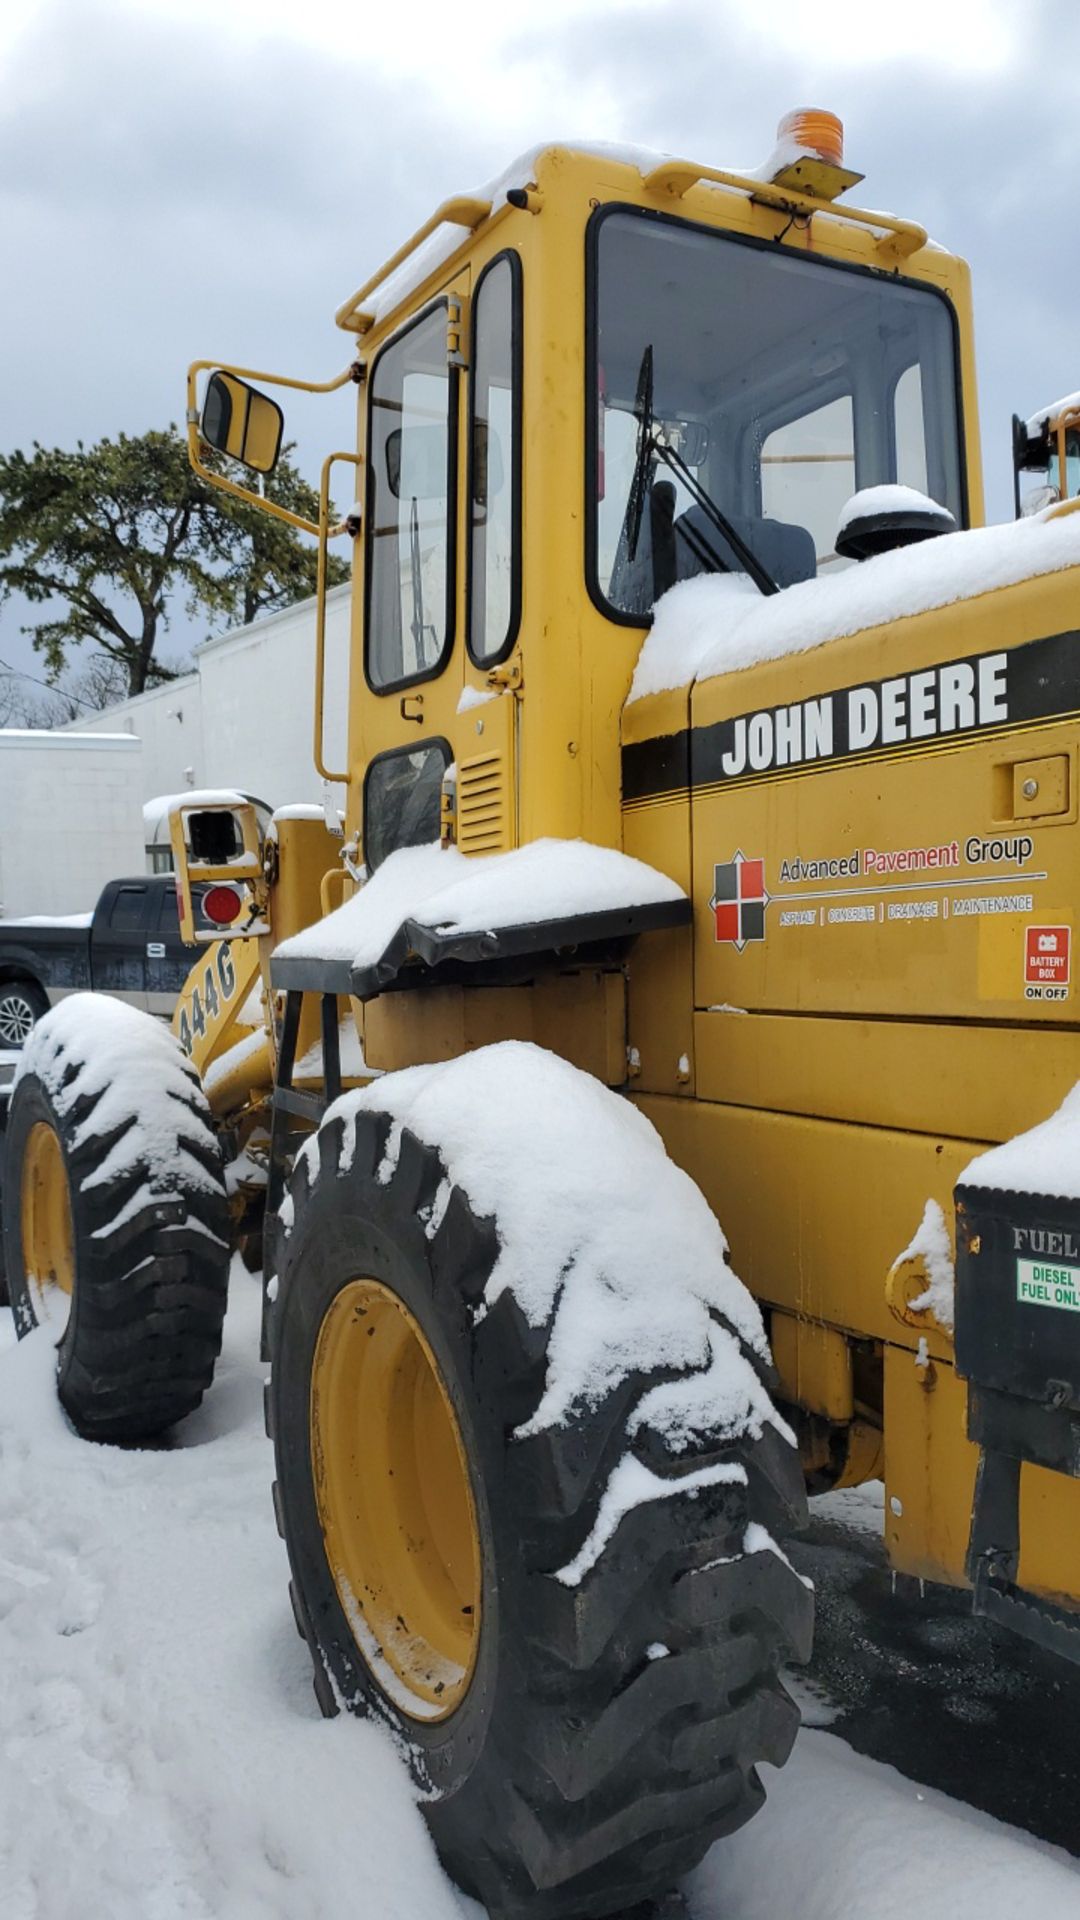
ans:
(412, 587)
(442, 595)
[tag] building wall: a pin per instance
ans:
(244, 717)
(258, 701)
(168, 721)
(70, 818)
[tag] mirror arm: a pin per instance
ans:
(353, 372)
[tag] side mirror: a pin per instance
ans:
(241, 422)
(416, 463)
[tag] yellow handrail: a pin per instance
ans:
(463, 210)
(324, 531)
(676, 177)
(266, 379)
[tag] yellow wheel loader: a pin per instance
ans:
(707, 854)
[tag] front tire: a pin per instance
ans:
(115, 1223)
(579, 1743)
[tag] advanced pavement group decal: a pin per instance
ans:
(978, 877)
(909, 713)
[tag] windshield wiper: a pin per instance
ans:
(651, 448)
(645, 456)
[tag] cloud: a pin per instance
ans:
(170, 186)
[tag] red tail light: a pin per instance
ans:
(222, 905)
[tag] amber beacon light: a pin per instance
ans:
(816, 131)
(818, 138)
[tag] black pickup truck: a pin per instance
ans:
(130, 946)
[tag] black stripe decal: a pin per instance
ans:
(656, 766)
(1040, 681)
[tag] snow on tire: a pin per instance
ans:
(556, 1311)
(115, 1217)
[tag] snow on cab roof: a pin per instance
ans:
(521, 173)
(718, 623)
(1069, 403)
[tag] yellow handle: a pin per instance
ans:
(325, 530)
(676, 177)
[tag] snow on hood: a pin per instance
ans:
(1046, 1159)
(718, 623)
(441, 887)
(606, 1241)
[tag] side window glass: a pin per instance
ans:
(402, 799)
(910, 429)
(808, 474)
(169, 914)
(494, 463)
(410, 516)
(128, 911)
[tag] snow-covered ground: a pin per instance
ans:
(163, 1758)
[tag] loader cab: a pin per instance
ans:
(542, 421)
(558, 391)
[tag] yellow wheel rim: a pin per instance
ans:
(395, 1500)
(48, 1239)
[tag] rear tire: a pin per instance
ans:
(609, 1731)
(22, 1005)
(138, 1314)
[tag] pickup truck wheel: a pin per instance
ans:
(115, 1218)
(22, 1005)
(579, 1742)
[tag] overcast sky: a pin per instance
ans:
(188, 177)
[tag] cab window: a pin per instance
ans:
(494, 591)
(745, 384)
(128, 912)
(412, 437)
(808, 473)
(402, 799)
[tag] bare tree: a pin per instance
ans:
(100, 684)
(16, 702)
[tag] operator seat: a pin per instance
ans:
(785, 551)
(673, 548)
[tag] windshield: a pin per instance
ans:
(783, 385)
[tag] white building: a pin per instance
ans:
(70, 817)
(71, 805)
(243, 718)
